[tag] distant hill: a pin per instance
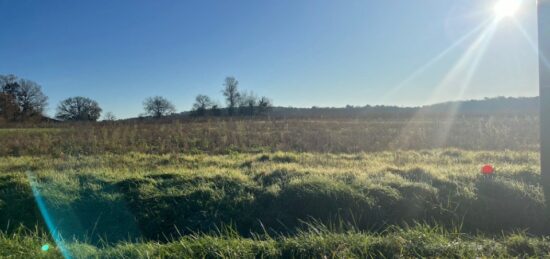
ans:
(487, 106)
(498, 105)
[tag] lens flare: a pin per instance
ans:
(506, 8)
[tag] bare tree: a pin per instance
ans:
(202, 104)
(30, 98)
(20, 99)
(8, 97)
(9, 84)
(109, 116)
(231, 93)
(158, 107)
(247, 103)
(78, 109)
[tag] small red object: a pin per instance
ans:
(487, 170)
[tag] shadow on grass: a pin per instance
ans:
(164, 206)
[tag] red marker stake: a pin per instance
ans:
(487, 170)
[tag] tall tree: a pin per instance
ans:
(30, 98)
(201, 105)
(78, 109)
(231, 93)
(158, 107)
(20, 99)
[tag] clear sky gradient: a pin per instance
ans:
(298, 52)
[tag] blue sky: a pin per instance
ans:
(298, 52)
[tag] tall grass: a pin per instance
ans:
(274, 188)
(221, 136)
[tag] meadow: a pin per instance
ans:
(274, 188)
(252, 135)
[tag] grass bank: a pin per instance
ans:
(112, 198)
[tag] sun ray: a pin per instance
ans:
(468, 64)
(471, 56)
(435, 60)
(478, 51)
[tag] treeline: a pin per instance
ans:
(497, 105)
(359, 112)
(22, 100)
(238, 103)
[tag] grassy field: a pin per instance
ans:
(252, 195)
(222, 136)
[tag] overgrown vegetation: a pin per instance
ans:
(274, 188)
(106, 199)
(223, 136)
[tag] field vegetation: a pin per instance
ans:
(225, 135)
(260, 188)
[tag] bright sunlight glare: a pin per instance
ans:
(506, 8)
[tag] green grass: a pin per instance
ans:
(109, 199)
(274, 188)
(317, 241)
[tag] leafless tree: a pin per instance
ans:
(202, 104)
(30, 98)
(78, 109)
(8, 98)
(158, 107)
(9, 84)
(20, 99)
(231, 93)
(109, 116)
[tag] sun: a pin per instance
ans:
(506, 8)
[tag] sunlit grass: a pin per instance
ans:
(142, 191)
(315, 241)
(327, 135)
